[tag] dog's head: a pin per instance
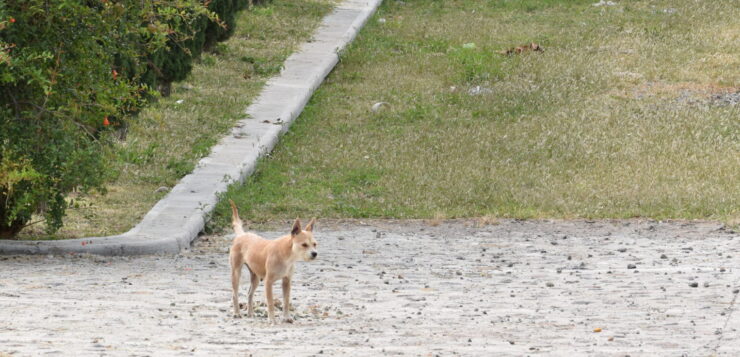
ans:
(304, 245)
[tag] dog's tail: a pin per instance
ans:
(236, 222)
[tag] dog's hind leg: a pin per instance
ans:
(236, 274)
(255, 283)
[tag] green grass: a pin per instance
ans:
(166, 140)
(613, 120)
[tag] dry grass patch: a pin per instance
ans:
(472, 133)
(166, 139)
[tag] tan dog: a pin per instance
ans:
(268, 260)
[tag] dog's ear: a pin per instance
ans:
(296, 227)
(309, 226)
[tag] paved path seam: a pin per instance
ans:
(180, 216)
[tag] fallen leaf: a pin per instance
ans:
(523, 48)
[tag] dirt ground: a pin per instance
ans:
(386, 288)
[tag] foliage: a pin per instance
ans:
(168, 137)
(70, 71)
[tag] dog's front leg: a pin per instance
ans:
(286, 300)
(270, 303)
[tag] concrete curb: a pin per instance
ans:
(178, 218)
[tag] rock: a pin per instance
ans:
(478, 90)
(693, 284)
(378, 106)
(604, 3)
(631, 266)
(726, 99)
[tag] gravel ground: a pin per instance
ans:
(400, 288)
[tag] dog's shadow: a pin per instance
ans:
(306, 313)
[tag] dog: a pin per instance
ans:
(268, 260)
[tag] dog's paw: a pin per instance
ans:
(288, 320)
(237, 316)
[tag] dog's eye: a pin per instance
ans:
(305, 245)
(315, 244)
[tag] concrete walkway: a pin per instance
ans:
(177, 219)
(400, 288)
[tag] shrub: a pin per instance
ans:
(70, 70)
(226, 11)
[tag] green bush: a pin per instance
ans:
(174, 61)
(70, 72)
(226, 11)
